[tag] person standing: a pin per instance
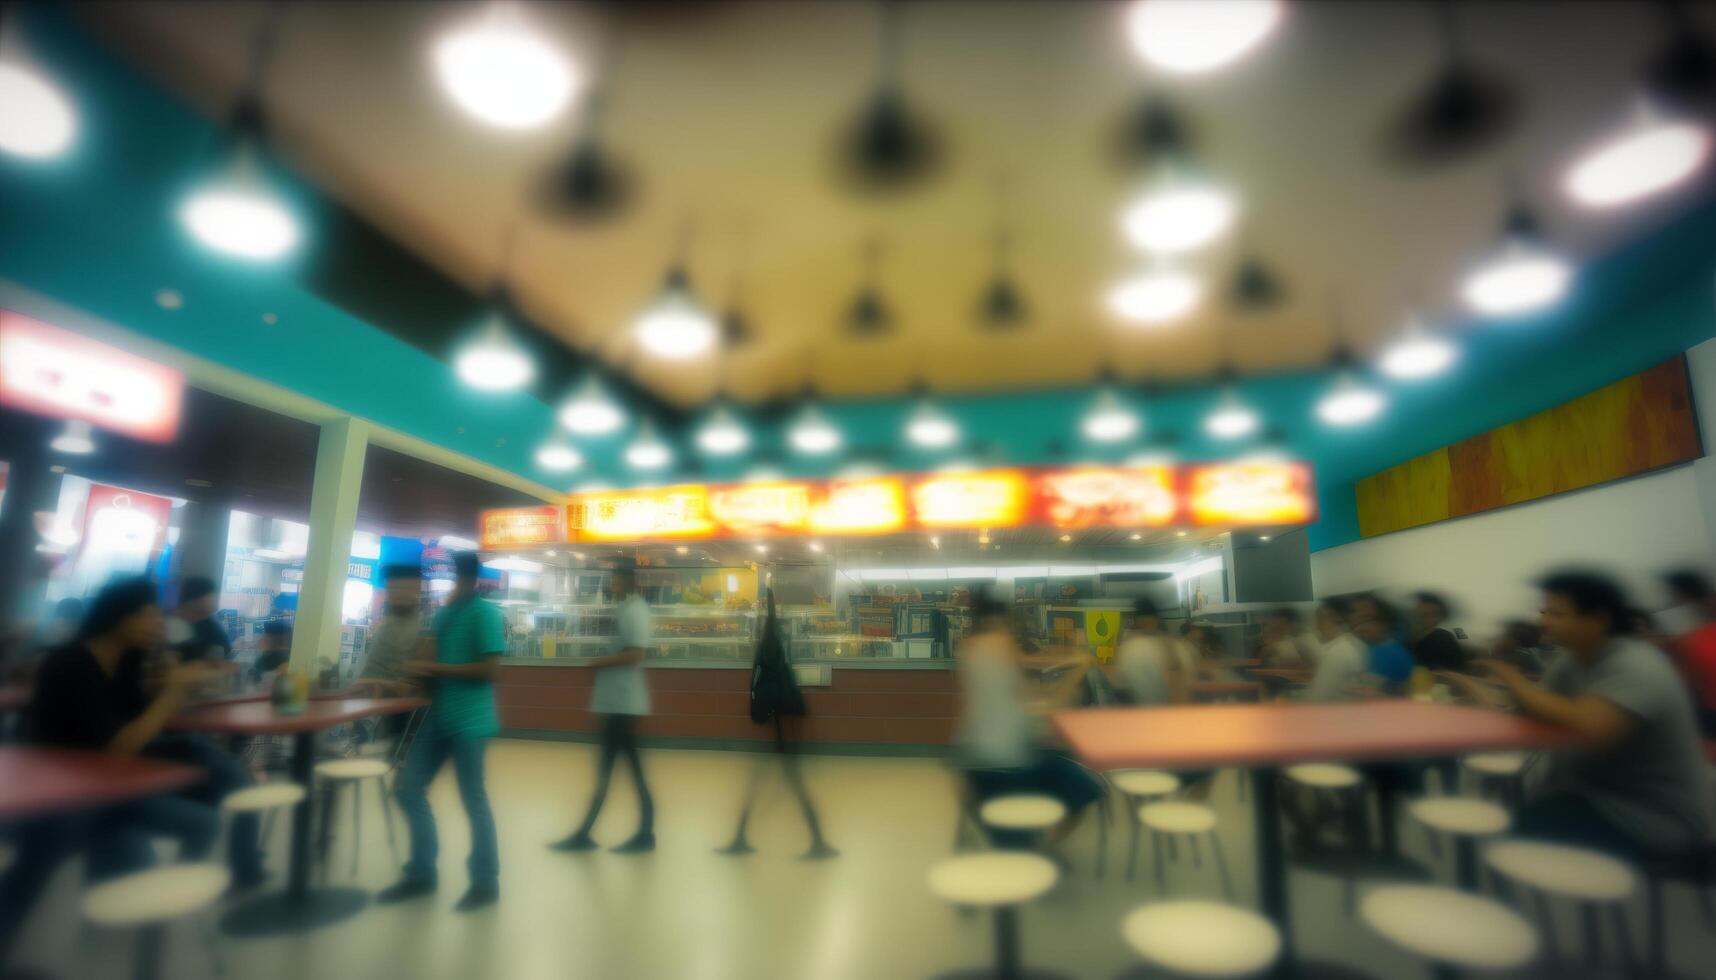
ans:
(1374, 622)
(620, 699)
(192, 632)
(469, 642)
(1147, 664)
(398, 640)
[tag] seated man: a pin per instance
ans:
(91, 695)
(1342, 663)
(193, 632)
(1638, 788)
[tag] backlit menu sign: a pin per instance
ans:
(1224, 494)
(519, 526)
(50, 371)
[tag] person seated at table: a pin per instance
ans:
(1434, 646)
(92, 694)
(192, 632)
(1521, 644)
(1343, 662)
(398, 639)
(1691, 602)
(273, 650)
(1638, 787)
(1375, 622)
(1283, 642)
(1149, 665)
(1206, 652)
(997, 744)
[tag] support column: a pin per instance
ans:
(1701, 369)
(30, 487)
(202, 541)
(333, 512)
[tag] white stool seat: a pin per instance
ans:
(1203, 938)
(268, 796)
(1177, 817)
(1324, 775)
(991, 879)
(1574, 872)
(156, 895)
(1496, 763)
(1144, 783)
(1450, 927)
(1023, 811)
(358, 768)
(1460, 815)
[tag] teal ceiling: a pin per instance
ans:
(96, 230)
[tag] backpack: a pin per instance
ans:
(774, 689)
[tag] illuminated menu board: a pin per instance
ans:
(1217, 494)
(519, 526)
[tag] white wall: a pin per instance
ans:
(1486, 563)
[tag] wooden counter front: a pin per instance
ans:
(860, 705)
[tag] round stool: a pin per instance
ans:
(1138, 786)
(1500, 772)
(149, 900)
(265, 800)
(1022, 811)
(335, 773)
(1580, 875)
(1179, 818)
(1202, 939)
(1000, 881)
(1324, 775)
(1450, 928)
(1465, 820)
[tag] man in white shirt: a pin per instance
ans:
(620, 698)
(1147, 665)
(1342, 661)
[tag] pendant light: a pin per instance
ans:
(811, 433)
(76, 439)
(648, 451)
(1649, 155)
(1160, 294)
(559, 456)
(1109, 419)
(928, 427)
(1349, 401)
(869, 316)
(1191, 37)
(240, 212)
(1255, 287)
(38, 122)
(1419, 353)
(722, 434)
(1464, 110)
(1002, 307)
(495, 361)
(1179, 208)
(502, 69)
(1231, 418)
(591, 411)
(590, 184)
(1523, 275)
(675, 326)
(889, 148)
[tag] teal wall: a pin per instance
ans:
(97, 231)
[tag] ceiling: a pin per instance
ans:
(250, 459)
(728, 115)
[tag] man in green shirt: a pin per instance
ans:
(469, 642)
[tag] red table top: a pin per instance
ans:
(1203, 736)
(36, 782)
(260, 718)
(1225, 687)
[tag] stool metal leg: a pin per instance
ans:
(1654, 927)
(1132, 847)
(1624, 939)
(1466, 863)
(1593, 932)
(1161, 866)
(1548, 920)
(1197, 856)
(357, 823)
(1102, 815)
(387, 816)
(1221, 865)
(150, 939)
(1007, 942)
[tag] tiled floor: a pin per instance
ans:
(687, 912)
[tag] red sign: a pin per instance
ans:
(519, 526)
(50, 371)
(119, 520)
(1225, 494)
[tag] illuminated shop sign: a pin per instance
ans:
(50, 371)
(520, 526)
(1224, 494)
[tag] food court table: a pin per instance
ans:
(42, 782)
(1265, 737)
(299, 907)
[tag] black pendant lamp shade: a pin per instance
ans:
(869, 315)
(889, 147)
(1255, 287)
(1681, 76)
(1003, 307)
(1464, 110)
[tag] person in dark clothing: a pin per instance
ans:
(1433, 646)
(273, 648)
(193, 632)
(92, 695)
(776, 699)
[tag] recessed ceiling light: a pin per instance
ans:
(56, 468)
(1136, 536)
(1066, 537)
(169, 299)
(500, 69)
(1263, 537)
(1194, 36)
(578, 555)
(198, 483)
(1180, 534)
(762, 549)
(815, 546)
(683, 550)
(551, 553)
(39, 122)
